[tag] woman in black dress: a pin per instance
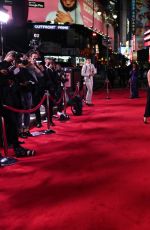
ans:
(147, 108)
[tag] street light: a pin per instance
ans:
(115, 16)
(99, 13)
(4, 17)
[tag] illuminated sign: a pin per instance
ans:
(34, 4)
(133, 16)
(50, 27)
(133, 43)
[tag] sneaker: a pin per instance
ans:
(22, 152)
(5, 161)
(28, 134)
(89, 104)
(21, 142)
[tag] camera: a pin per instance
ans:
(37, 61)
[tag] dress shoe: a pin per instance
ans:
(39, 125)
(28, 134)
(89, 104)
(23, 152)
(22, 135)
(21, 142)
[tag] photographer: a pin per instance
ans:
(51, 84)
(88, 71)
(8, 96)
(61, 79)
(36, 69)
(25, 83)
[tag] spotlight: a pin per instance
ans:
(4, 17)
(114, 16)
(99, 13)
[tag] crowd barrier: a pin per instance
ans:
(5, 160)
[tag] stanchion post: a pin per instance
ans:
(5, 161)
(107, 89)
(64, 115)
(48, 110)
(64, 99)
(5, 144)
(48, 131)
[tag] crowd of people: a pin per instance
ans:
(24, 78)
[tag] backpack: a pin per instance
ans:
(76, 105)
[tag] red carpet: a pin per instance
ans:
(92, 174)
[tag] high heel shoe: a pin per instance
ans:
(145, 120)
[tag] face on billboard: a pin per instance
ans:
(69, 5)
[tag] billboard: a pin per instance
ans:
(83, 12)
(142, 21)
(78, 12)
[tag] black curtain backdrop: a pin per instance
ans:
(15, 32)
(20, 12)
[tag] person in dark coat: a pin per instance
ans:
(134, 81)
(147, 107)
(37, 70)
(25, 84)
(51, 83)
(8, 97)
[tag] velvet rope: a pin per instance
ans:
(83, 91)
(26, 110)
(76, 92)
(5, 144)
(41, 102)
(59, 100)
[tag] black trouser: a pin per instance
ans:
(1, 141)
(147, 107)
(11, 127)
(36, 100)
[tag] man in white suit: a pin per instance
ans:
(88, 71)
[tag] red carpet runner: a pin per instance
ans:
(92, 174)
